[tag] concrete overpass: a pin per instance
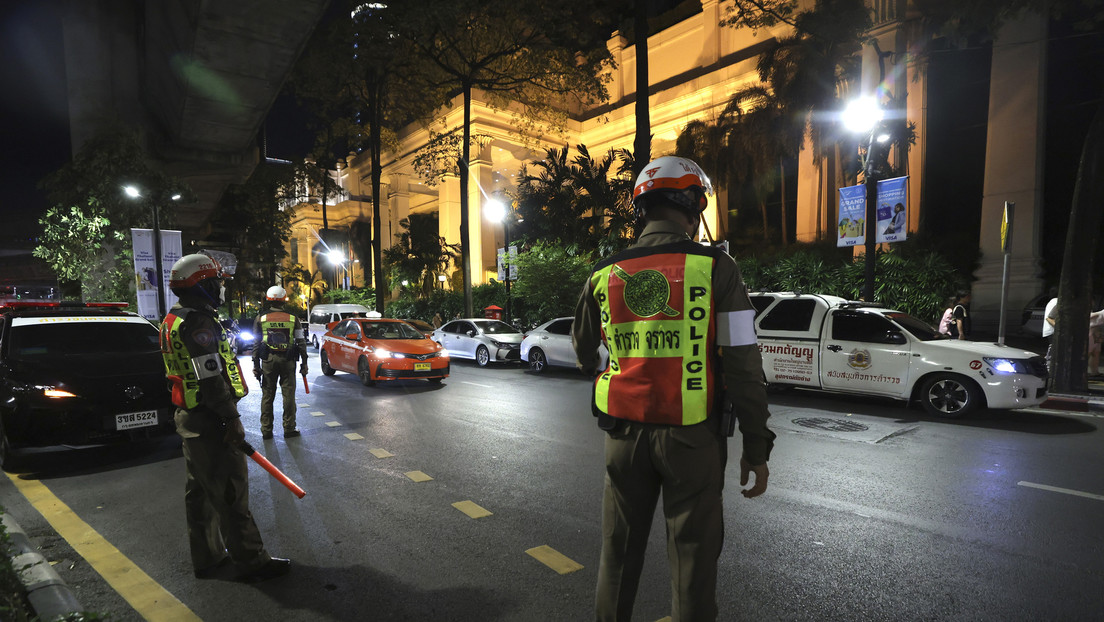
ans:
(196, 77)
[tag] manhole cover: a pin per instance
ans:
(832, 425)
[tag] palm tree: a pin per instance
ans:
(311, 285)
(419, 254)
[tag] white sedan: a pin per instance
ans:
(485, 341)
(550, 344)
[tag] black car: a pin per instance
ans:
(76, 374)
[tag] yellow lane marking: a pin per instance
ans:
(353, 436)
(664, 619)
(472, 509)
(381, 453)
(1066, 491)
(417, 476)
(317, 413)
(333, 424)
(304, 405)
(149, 599)
(554, 559)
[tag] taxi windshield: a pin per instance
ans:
(390, 330)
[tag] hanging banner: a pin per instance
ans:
(513, 263)
(852, 216)
(145, 269)
(892, 213)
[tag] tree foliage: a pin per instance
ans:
(85, 236)
(549, 282)
(419, 254)
(580, 203)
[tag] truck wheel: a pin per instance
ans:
(314, 342)
(326, 369)
(950, 396)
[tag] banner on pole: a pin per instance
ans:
(852, 216)
(145, 269)
(513, 263)
(892, 210)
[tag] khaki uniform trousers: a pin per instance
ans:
(277, 370)
(216, 503)
(686, 464)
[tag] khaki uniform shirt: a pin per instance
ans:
(743, 365)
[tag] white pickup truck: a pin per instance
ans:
(828, 343)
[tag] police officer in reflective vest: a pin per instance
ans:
(206, 384)
(683, 365)
(279, 344)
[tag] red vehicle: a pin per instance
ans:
(378, 349)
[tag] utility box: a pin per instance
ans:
(493, 312)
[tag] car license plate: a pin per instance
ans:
(421, 367)
(142, 419)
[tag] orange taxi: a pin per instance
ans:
(381, 349)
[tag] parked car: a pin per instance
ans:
(381, 350)
(550, 345)
(832, 344)
(322, 316)
(1032, 321)
(485, 341)
(77, 374)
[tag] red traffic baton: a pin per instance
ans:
(271, 468)
(306, 386)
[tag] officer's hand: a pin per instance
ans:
(303, 369)
(235, 433)
(761, 474)
(257, 372)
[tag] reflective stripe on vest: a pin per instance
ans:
(180, 367)
(657, 320)
(277, 329)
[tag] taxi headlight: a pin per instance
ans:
(1006, 366)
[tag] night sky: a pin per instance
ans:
(34, 116)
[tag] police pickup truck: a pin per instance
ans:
(831, 344)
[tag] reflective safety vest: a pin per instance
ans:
(278, 330)
(184, 372)
(656, 306)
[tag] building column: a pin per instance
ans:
(711, 32)
(448, 212)
(811, 203)
(1014, 156)
(481, 233)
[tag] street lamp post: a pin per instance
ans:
(863, 116)
(134, 193)
(337, 258)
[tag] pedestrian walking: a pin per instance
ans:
(206, 384)
(673, 314)
(279, 345)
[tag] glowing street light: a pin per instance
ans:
(134, 192)
(497, 211)
(863, 116)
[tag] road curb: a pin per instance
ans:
(50, 596)
(1074, 403)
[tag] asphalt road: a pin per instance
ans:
(874, 512)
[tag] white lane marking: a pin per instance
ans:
(485, 386)
(1067, 491)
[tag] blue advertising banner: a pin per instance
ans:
(892, 211)
(852, 216)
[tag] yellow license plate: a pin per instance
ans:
(421, 366)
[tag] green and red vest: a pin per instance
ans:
(184, 372)
(657, 317)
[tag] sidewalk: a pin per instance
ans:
(50, 597)
(1091, 400)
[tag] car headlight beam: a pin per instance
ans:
(1006, 366)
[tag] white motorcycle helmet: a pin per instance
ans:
(198, 274)
(276, 294)
(678, 179)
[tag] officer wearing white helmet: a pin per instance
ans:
(678, 324)
(206, 384)
(280, 342)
